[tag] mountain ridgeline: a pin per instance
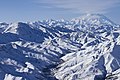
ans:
(85, 48)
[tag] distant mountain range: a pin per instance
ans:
(85, 48)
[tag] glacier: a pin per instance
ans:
(85, 48)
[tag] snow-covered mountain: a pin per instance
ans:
(85, 48)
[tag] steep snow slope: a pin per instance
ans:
(23, 45)
(86, 48)
(98, 58)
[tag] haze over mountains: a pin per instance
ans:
(85, 48)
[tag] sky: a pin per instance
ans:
(34, 10)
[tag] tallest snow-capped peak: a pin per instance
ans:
(94, 19)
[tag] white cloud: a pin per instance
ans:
(82, 6)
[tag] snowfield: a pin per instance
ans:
(85, 48)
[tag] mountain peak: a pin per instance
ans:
(94, 19)
(94, 16)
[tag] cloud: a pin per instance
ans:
(81, 6)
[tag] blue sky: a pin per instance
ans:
(33, 10)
